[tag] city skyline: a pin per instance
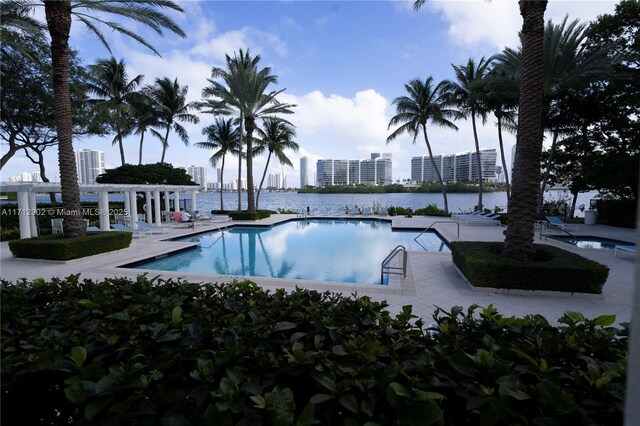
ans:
(341, 63)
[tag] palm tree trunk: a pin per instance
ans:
(121, 146)
(518, 242)
(240, 164)
(140, 151)
(165, 143)
(545, 179)
(504, 161)
(479, 165)
(262, 180)
(58, 15)
(443, 187)
(250, 125)
(222, 184)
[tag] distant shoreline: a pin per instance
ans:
(425, 188)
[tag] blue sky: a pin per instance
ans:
(342, 63)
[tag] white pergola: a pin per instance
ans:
(27, 208)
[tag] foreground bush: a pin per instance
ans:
(167, 352)
(554, 269)
(247, 215)
(57, 247)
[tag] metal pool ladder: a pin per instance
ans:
(395, 270)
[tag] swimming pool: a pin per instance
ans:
(590, 242)
(309, 249)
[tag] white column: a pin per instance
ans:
(103, 210)
(32, 216)
(193, 201)
(147, 199)
(23, 219)
(176, 201)
(156, 207)
(134, 209)
(127, 205)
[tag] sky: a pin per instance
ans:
(341, 63)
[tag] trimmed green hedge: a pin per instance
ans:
(554, 270)
(57, 247)
(617, 212)
(247, 215)
(153, 352)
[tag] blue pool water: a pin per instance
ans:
(591, 242)
(327, 250)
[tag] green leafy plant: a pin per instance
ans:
(247, 215)
(172, 352)
(57, 247)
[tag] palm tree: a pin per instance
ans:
(518, 243)
(224, 136)
(424, 104)
(170, 100)
(145, 117)
(91, 13)
(15, 17)
(108, 81)
(502, 100)
(276, 137)
(244, 93)
(568, 66)
(468, 94)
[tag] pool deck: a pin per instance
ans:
(432, 279)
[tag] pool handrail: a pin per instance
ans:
(384, 266)
(438, 221)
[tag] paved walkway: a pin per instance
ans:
(432, 278)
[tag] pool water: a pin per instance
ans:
(325, 249)
(591, 242)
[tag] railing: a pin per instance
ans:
(395, 270)
(431, 226)
(544, 225)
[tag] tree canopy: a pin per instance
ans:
(146, 174)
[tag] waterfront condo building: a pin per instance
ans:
(90, 164)
(454, 168)
(199, 176)
(373, 171)
(304, 172)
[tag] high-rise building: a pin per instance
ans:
(198, 175)
(90, 165)
(454, 168)
(374, 171)
(304, 172)
(26, 177)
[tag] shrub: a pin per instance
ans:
(247, 215)
(57, 247)
(553, 270)
(171, 352)
(617, 212)
(432, 210)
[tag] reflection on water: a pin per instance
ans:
(326, 250)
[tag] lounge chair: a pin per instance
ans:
(221, 218)
(475, 215)
(626, 249)
(556, 222)
(154, 229)
(177, 216)
(93, 229)
(482, 220)
(139, 232)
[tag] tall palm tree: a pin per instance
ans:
(425, 103)
(502, 100)
(568, 66)
(223, 136)
(170, 99)
(276, 137)
(145, 117)
(108, 81)
(92, 14)
(468, 93)
(518, 243)
(244, 92)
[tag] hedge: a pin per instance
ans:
(247, 215)
(57, 247)
(617, 212)
(149, 352)
(553, 270)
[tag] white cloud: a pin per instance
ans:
(496, 23)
